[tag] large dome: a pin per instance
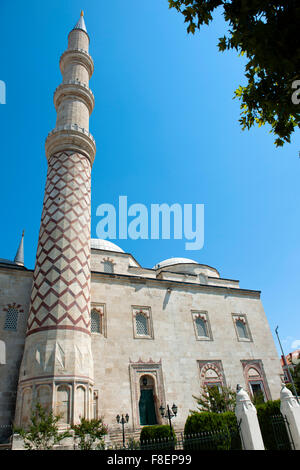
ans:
(172, 261)
(100, 244)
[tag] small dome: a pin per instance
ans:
(100, 244)
(172, 261)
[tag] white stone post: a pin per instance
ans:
(246, 414)
(290, 408)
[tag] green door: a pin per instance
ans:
(147, 408)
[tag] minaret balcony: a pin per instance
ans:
(73, 138)
(77, 56)
(76, 90)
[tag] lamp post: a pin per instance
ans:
(123, 421)
(287, 366)
(169, 414)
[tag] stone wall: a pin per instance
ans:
(172, 355)
(14, 294)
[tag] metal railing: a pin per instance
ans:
(223, 439)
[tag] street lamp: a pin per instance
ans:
(123, 421)
(169, 414)
(286, 364)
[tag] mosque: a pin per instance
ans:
(90, 332)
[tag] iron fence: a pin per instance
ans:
(281, 431)
(223, 439)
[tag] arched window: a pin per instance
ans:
(201, 327)
(11, 320)
(241, 329)
(141, 322)
(255, 380)
(63, 403)
(96, 321)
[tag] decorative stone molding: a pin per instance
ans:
(202, 315)
(136, 371)
(77, 56)
(76, 90)
(14, 305)
(238, 317)
(146, 312)
(101, 310)
(256, 364)
(217, 377)
(71, 138)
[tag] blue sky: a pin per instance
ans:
(167, 131)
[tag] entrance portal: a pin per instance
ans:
(147, 401)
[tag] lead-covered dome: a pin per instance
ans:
(106, 245)
(173, 261)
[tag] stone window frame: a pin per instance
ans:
(243, 318)
(136, 371)
(256, 364)
(109, 261)
(217, 366)
(101, 309)
(7, 320)
(203, 314)
(146, 311)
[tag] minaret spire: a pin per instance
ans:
(57, 365)
(19, 258)
(81, 23)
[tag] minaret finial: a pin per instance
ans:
(19, 258)
(80, 23)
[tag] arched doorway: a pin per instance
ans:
(147, 401)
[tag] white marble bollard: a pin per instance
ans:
(249, 427)
(290, 408)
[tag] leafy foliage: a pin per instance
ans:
(158, 437)
(266, 32)
(264, 413)
(90, 433)
(296, 378)
(208, 421)
(216, 400)
(157, 432)
(43, 432)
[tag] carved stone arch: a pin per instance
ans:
(255, 377)
(138, 370)
(44, 396)
(211, 372)
(26, 401)
(63, 396)
(80, 403)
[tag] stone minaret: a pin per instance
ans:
(57, 365)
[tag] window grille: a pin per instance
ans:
(108, 267)
(95, 322)
(141, 324)
(11, 320)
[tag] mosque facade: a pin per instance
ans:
(92, 333)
